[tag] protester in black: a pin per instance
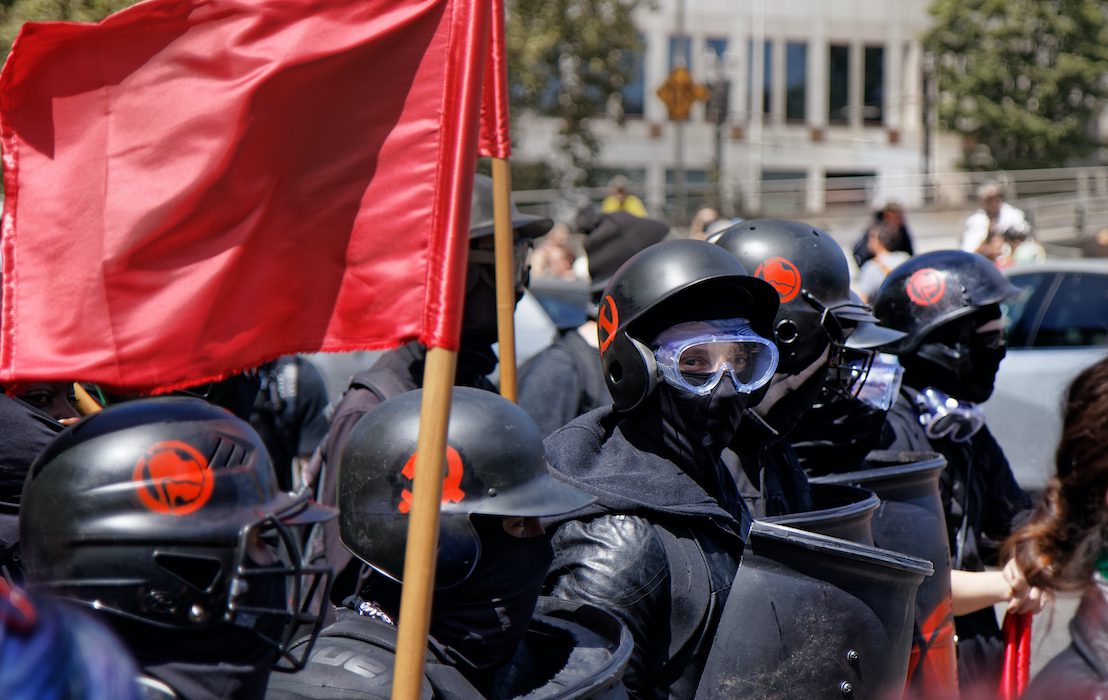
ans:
(27, 431)
(164, 517)
(290, 415)
(683, 346)
(948, 303)
(492, 558)
(818, 323)
(401, 370)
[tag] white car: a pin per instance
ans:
(1057, 326)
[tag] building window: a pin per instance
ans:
(717, 79)
(634, 92)
(838, 84)
(796, 80)
(767, 77)
(680, 51)
(873, 89)
(716, 46)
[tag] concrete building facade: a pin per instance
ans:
(825, 98)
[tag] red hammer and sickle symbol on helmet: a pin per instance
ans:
(451, 485)
(607, 324)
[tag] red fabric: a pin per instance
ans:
(496, 142)
(1017, 656)
(197, 186)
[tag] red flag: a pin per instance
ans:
(1016, 667)
(196, 186)
(495, 139)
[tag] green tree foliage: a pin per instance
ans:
(1022, 80)
(570, 59)
(13, 13)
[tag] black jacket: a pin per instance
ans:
(26, 432)
(1080, 671)
(561, 382)
(768, 472)
(569, 652)
(656, 549)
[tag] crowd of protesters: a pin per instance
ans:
(244, 538)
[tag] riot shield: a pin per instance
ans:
(811, 616)
(572, 651)
(910, 520)
(838, 510)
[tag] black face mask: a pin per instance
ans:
(836, 434)
(265, 592)
(787, 412)
(986, 351)
(482, 619)
(479, 309)
(963, 370)
(702, 424)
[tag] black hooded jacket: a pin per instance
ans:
(656, 549)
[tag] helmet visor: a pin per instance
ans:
(695, 356)
(881, 382)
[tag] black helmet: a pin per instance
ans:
(809, 271)
(480, 214)
(670, 282)
(495, 466)
(935, 288)
(156, 511)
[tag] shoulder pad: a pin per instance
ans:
(348, 665)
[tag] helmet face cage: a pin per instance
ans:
(850, 365)
(850, 371)
(206, 585)
(299, 607)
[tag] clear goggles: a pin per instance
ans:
(880, 379)
(943, 417)
(695, 356)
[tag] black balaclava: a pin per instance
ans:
(692, 431)
(475, 356)
(837, 433)
(787, 412)
(481, 621)
(957, 360)
(790, 396)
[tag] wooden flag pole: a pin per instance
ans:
(505, 277)
(86, 405)
(423, 524)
